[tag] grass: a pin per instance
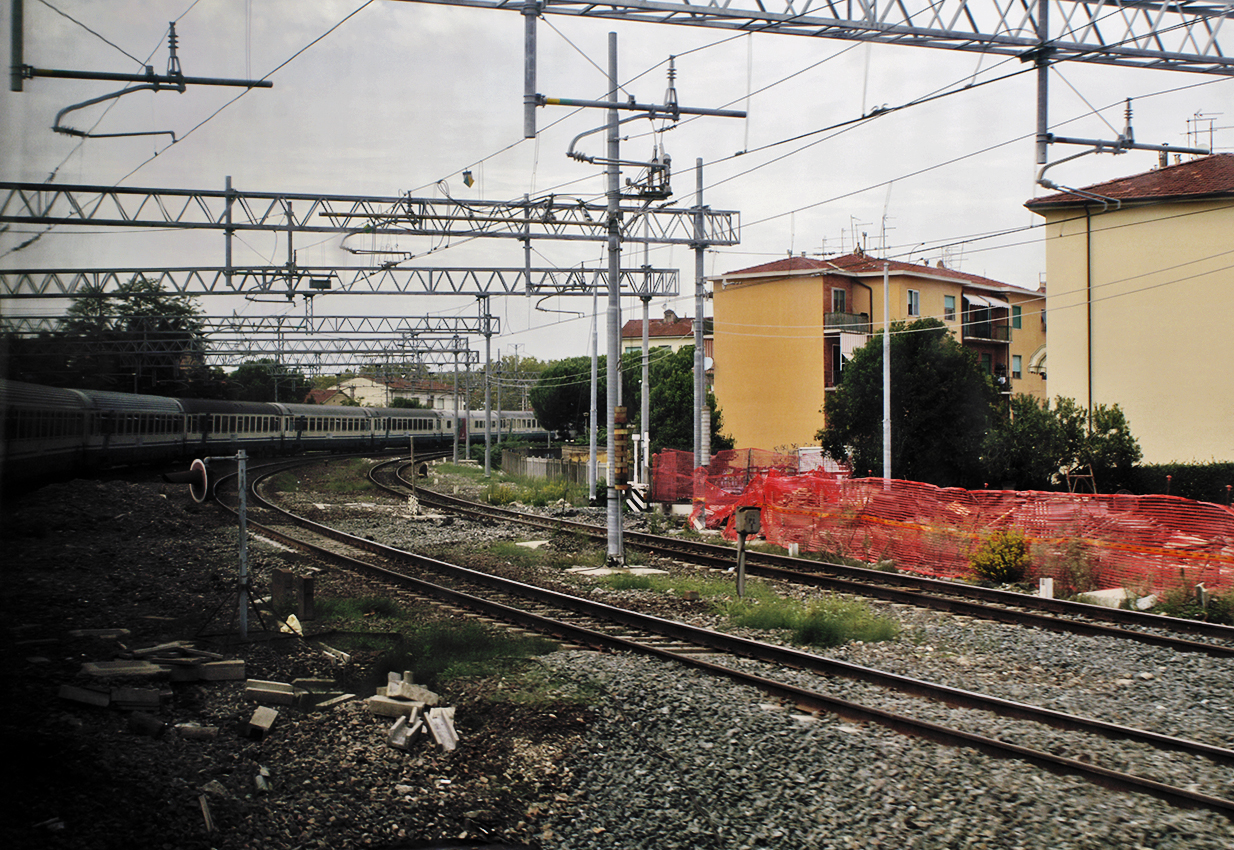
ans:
(831, 621)
(284, 482)
(349, 476)
(436, 651)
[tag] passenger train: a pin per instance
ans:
(50, 432)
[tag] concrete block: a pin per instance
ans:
(403, 732)
(1110, 598)
(105, 634)
(261, 722)
(387, 707)
(418, 693)
(135, 697)
(222, 671)
(195, 732)
(270, 693)
(334, 702)
(441, 724)
(122, 668)
(99, 699)
(305, 606)
(315, 686)
(1045, 588)
(280, 589)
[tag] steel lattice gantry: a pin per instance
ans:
(233, 350)
(1179, 35)
(392, 280)
(349, 326)
(235, 211)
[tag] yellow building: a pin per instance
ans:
(1141, 304)
(784, 329)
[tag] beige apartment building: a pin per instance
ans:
(1141, 304)
(784, 329)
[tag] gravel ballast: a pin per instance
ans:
(666, 757)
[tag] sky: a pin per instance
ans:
(403, 97)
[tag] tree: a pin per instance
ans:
(1036, 446)
(1024, 450)
(562, 396)
(410, 403)
(671, 407)
(940, 407)
(267, 380)
(137, 338)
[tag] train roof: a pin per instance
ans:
(21, 393)
(340, 410)
(108, 400)
(239, 408)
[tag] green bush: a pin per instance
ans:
(1182, 602)
(1003, 558)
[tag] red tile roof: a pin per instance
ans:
(1207, 177)
(864, 264)
(683, 328)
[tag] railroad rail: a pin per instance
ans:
(594, 624)
(951, 597)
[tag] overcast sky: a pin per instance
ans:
(404, 95)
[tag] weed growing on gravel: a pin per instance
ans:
(355, 610)
(828, 622)
(284, 482)
(350, 476)
(520, 556)
(532, 684)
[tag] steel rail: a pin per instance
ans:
(899, 588)
(777, 655)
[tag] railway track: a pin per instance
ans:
(588, 623)
(951, 597)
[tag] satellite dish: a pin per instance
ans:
(708, 363)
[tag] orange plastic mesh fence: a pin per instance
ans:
(1144, 543)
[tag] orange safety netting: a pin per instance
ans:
(1144, 543)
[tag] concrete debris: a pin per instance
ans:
(196, 732)
(404, 731)
(99, 699)
(133, 698)
(261, 782)
(260, 723)
(383, 706)
(441, 724)
(271, 693)
(115, 669)
(104, 634)
(400, 697)
(205, 812)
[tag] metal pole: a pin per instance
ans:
(616, 556)
(886, 376)
(228, 233)
(242, 486)
(700, 373)
(16, 48)
(646, 400)
(593, 423)
(454, 439)
(488, 390)
(1043, 81)
(531, 9)
(741, 565)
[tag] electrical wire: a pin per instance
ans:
(93, 33)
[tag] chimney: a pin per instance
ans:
(670, 318)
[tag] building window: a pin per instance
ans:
(1017, 365)
(949, 308)
(1017, 317)
(837, 301)
(987, 363)
(914, 302)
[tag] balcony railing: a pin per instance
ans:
(987, 331)
(858, 323)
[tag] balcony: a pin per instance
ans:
(857, 323)
(831, 378)
(987, 331)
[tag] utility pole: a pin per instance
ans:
(616, 553)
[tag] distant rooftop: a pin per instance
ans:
(1199, 179)
(862, 265)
